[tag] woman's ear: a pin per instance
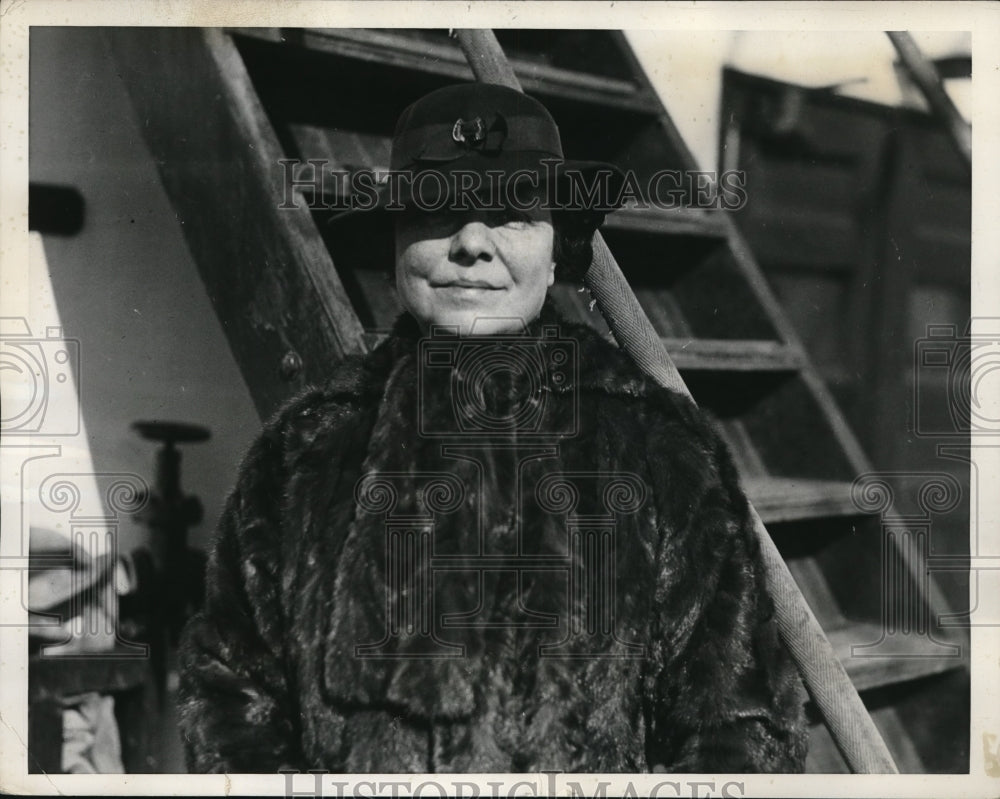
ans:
(552, 274)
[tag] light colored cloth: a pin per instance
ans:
(90, 736)
(73, 595)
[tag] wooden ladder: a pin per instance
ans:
(295, 291)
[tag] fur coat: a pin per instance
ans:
(400, 586)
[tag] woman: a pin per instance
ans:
(493, 544)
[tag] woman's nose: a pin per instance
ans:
(472, 242)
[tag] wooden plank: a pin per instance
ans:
(342, 149)
(267, 271)
(669, 222)
(421, 55)
(390, 44)
(783, 499)
(917, 657)
(733, 355)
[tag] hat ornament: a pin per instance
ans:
(475, 134)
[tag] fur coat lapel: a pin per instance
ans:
(471, 503)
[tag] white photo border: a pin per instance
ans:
(16, 18)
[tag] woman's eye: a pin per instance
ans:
(517, 221)
(430, 224)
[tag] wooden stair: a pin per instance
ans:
(264, 94)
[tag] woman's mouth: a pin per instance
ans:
(468, 285)
(467, 294)
(465, 291)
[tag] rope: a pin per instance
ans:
(824, 676)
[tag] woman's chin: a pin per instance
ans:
(481, 323)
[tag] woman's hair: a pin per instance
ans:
(572, 248)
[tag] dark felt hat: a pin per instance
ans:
(487, 145)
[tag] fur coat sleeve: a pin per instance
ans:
(725, 696)
(239, 712)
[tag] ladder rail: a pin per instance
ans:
(825, 678)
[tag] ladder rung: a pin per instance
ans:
(784, 499)
(913, 656)
(673, 221)
(420, 55)
(733, 355)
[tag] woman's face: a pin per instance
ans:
(489, 269)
